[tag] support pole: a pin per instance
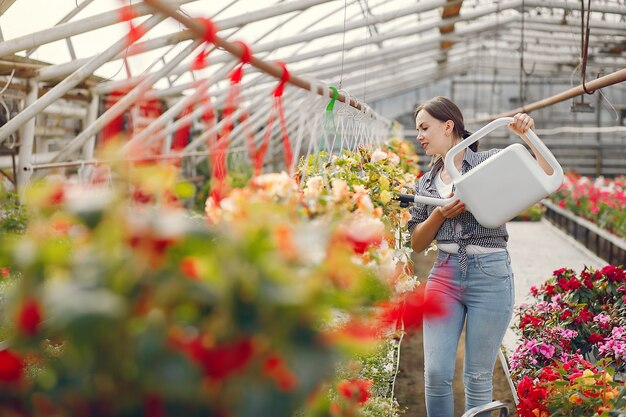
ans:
(92, 115)
(27, 141)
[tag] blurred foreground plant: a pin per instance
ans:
(127, 306)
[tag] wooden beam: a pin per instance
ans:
(450, 10)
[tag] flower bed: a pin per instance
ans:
(601, 200)
(572, 356)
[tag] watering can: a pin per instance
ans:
(504, 185)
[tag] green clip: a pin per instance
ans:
(331, 103)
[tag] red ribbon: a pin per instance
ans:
(210, 29)
(277, 108)
(278, 92)
(210, 37)
(127, 14)
(246, 57)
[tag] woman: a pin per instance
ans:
(473, 267)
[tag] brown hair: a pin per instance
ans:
(444, 109)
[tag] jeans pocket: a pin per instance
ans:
(495, 267)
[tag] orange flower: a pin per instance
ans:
(575, 399)
(190, 267)
(284, 240)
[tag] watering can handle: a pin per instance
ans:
(555, 178)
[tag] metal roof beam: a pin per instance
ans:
(270, 47)
(70, 82)
(61, 70)
(68, 29)
(569, 5)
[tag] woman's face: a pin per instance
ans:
(434, 135)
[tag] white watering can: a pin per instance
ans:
(504, 185)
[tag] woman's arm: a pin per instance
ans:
(425, 232)
(520, 124)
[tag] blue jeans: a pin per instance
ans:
(483, 299)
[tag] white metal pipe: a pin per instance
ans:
(557, 25)
(125, 102)
(107, 87)
(6, 162)
(428, 42)
(68, 112)
(205, 135)
(400, 33)
(65, 30)
(177, 108)
(254, 122)
(67, 84)
(417, 7)
(56, 71)
(557, 4)
(412, 80)
(260, 49)
(92, 115)
(432, 55)
(27, 139)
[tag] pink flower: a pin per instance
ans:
(547, 350)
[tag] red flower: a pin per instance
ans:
(11, 366)
(549, 374)
(531, 397)
(614, 273)
(359, 330)
(563, 272)
(355, 389)
(29, 317)
(275, 368)
(56, 197)
(595, 338)
(413, 308)
(5, 272)
(219, 362)
(529, 319)
(153, 406)
(566, 314)
(584, 316)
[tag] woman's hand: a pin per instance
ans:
(452, 209)
(521, 123)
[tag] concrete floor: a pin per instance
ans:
(537, 249)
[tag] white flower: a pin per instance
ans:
(394, 159)
(314, 187)
(340, 188)
(379, 155)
